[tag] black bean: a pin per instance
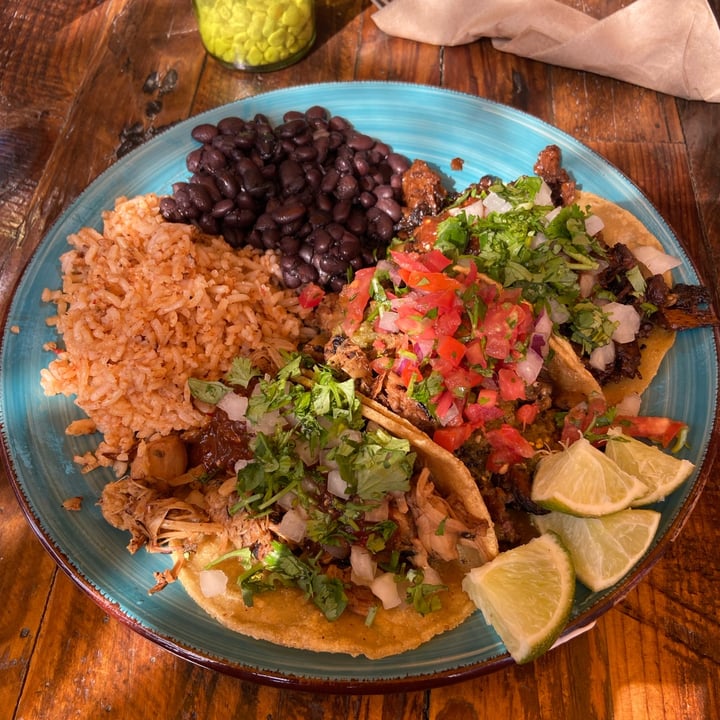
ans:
(391, 207)
(305, 252)
(292, 127)
(307, 273)
(212, 159)
(384, 191)
(338, 123)
(231, 125)
(367, 199)
(208, 182)
(337, 283)
(207, 223)
(349, 246)
(321, 240)
(359, 141)
(204, 133)
(271, 238)
(398, 163)
(288, 212)
(288, 246)
(227, 183)
(194, 160)
(240, 218)
(341, 211)
(223, 207)
(330, 181)
(291, 175)
(381, 150)
(316, 112)
(357, 222)
(333, 265)
(305, 153)
(347, 187)
(200, 197)
(380, 226)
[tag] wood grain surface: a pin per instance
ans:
(74, 94)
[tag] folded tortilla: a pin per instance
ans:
(572, 380)
(285, 617)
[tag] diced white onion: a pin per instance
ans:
(627, 318)
(267, 423)
(543, 330)
(293, 525)
(656, 261)
(431, 576)
(362, 565)
(529, 367)
(385, 588)
(494, 203)
(586, 281)
(212, 582)
(240, 464)
(234, 405)
(336, 485)
(602, 356)
(476, 209)
(452, 414)
(538, 240)
(287, 500)
(629, 405)
(552, 214)
(558, 312)
(593, 225)
(388, 321)
(543, 195)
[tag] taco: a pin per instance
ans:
(347, 529)
(572, 377)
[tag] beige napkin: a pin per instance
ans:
(672, 46)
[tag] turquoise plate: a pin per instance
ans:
(418, 121)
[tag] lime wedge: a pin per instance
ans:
(661, 473)
(603, 549)
(583, 481)
(526, 595)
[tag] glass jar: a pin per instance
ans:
(256, 35)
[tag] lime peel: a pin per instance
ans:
(526, 594)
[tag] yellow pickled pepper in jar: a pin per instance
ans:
(257, 35)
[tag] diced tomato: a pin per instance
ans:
(460, 380)
(512, 386)
(448, 321)
(450, 349)
(527, 413)
(508, 447)
(358, 296)
(428, 281)
(408, 260)
(451, 438)
(410, 373)
(475, 353)
(659, 429)
(435, 261)
(580, 417)
(485, 408)
(311, 295)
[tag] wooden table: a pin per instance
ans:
(72, 92)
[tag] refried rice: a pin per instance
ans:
(145, 305)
